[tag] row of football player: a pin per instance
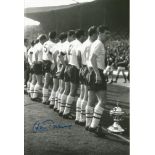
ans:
(69, 63)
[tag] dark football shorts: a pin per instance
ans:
(60, 74)
(66, 73)
(38, 68)
(46, 66)
(91, 78)
(54, 71)
(26, 66)
(31, 69)
(71, 74)
(83, 74)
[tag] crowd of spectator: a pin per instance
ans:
(118, 56)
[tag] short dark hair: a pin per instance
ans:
(52, 35)
(42, 37)
(71, 33)
(79, 33)
(32, 42)
(102, 28)
(25, 40)
(92, 30)
(62, 36)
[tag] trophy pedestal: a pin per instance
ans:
(116, 128)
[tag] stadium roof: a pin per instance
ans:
(62, 15)
(34, 6)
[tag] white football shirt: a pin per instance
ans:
(38, 52)
(75, 48)
(30, 54)
(85, 51)
(68, 49)
(98, 49)
(47, 48)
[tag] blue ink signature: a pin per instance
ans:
(47, 124)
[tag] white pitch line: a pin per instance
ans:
(116, 135)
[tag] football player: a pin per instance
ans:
(73, 70)
(61, 68)
(65, 60)
(97, 85)
(82, 100)
(38, 67)
(29, 55)
(47, 62)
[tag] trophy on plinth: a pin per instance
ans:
(117, 114)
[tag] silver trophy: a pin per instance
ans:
(117, 114)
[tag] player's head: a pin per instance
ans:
(26, 42)
(42, 38)
(63, 36)
(71, 35)
(52, 35)
(32, 43)
(92, 33)
(103, 33)
(80, 35)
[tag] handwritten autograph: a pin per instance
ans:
(42, 126)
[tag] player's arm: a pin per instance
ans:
(62, 59)
(55, 57)
(79, 58)
(94, 65)
(68, 53)
(36, 56)
(66, 59)
(30, 58)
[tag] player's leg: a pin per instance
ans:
(91, 98)
(38, 70)
(32, 85)
(53, 97)
(124, 76)
(64, 98)
(54, 88)
(99, 108)
(128, 76)
(78, 104)
(46, 67)
(70, 99)
(66, 91)
(38, 87)
(90, 108)
(62, 88)
(83, 106)
(74, 84)
(111, 75)
(29, 82)
(26, 73)
(100, 92)
(56, 105)
(117, 75)
(46, 88)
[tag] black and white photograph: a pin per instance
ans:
(76, 77)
